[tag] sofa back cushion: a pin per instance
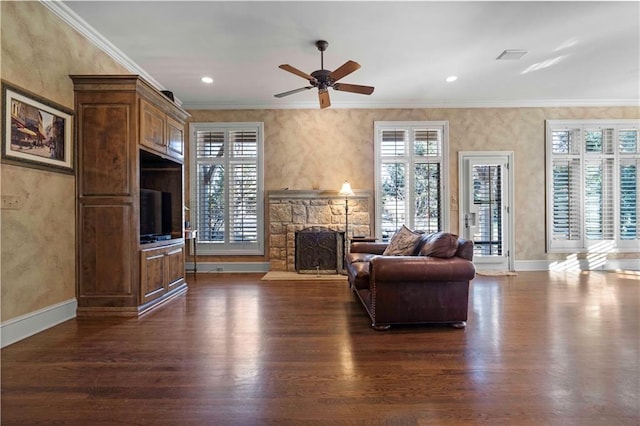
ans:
(440, 244)
(465, 249)
(403, 242)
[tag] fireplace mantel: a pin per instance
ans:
(310, 194)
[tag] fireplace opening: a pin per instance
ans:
(319, 250)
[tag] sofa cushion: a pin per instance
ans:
(421, 242)
(465, 249)
(403, 242)
(359, 257)
(440, 244)
(360, 273)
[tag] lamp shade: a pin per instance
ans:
(346, 190)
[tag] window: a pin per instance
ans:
(593, 185)
(227, 187)
(411, 178)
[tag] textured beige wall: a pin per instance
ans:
(38, 258)
(319, 149)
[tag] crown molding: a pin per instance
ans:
(368, 104)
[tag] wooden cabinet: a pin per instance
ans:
(152, 127)
(160, 132)
(129, 136)
(162, 270)
(175, 138)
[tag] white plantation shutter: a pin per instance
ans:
(394, 196)
(210, 192)
(592, 185)
(243, 223)
(410, 177)
(393, 143)
(227, 187)
(427, 212)
(629, 177)
(427, 142)
(243, 186)
(566, 210)
(598, 200)
(629, 200)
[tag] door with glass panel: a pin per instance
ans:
(485, 207)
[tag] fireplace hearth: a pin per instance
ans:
(319, 250)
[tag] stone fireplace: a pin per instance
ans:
(292, 211)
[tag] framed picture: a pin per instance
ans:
(36, 132)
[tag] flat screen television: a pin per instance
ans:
(155, 215)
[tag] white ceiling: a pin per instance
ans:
(579, 53)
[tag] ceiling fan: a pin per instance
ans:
(323, 79)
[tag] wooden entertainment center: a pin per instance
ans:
(129, 137)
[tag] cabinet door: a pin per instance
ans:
(152, 265)
(175, 138)
(175, 266)
(152, 127)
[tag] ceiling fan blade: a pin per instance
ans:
(296, 71)
(354, 88)
(323, 95)
(346, 69)
(291, 92)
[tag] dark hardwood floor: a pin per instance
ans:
(539, 349)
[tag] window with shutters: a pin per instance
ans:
(227, 187)
(411, 182)
(593, 185)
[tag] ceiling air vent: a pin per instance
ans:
(512, 54)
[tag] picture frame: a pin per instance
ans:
(37, 132)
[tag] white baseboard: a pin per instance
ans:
(578, 265)
(229, 267)
(520, 265)
(21, 327)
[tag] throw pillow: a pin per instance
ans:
(465, 249)
(440, 244)
(403, 242)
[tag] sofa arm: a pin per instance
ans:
(367, 247)
(420, 269)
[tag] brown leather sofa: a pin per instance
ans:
(412, 289)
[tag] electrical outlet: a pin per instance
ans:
(11, 202)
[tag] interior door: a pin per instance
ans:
(486, 182)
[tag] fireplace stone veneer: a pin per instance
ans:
(291, 211)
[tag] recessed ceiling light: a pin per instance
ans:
(512, 54)
(207, 80)
(451, 78)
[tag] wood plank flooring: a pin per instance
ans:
(539, 349)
